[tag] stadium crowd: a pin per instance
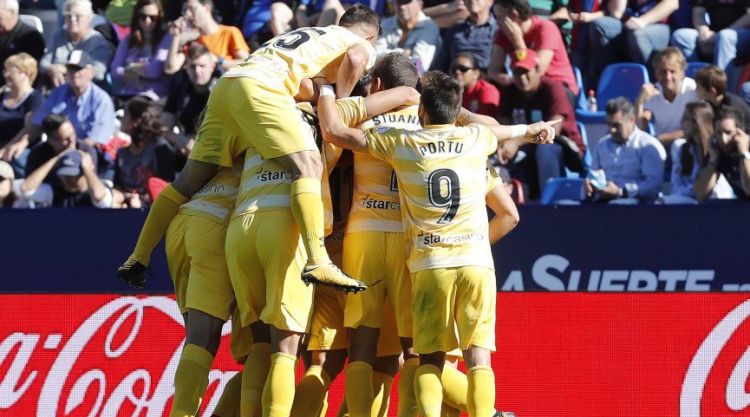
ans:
(101, 98)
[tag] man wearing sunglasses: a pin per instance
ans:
(410, 32)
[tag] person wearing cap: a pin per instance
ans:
(88, 108)
(533, 97)
(520, 33)
(64, 169)
(77, 34)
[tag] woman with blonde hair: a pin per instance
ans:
(19, 99)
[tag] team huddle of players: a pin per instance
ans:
(245, 226)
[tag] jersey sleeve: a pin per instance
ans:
(382, 142)
(486, 138)
(352, 110)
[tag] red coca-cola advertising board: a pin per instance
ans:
(559, 354)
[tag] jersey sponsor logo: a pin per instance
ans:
(427, 239)
(373, 203)
(441, 147)
(265, 175)
(211, 189)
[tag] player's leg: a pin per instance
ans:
(383, 372)
(255, 372)
(476, 332)
(241, 346)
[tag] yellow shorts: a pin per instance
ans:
(265, 259)
(450, 300)
(242, 112)
(327, 330)
(196, 261)
(373, 256)
(241, 339)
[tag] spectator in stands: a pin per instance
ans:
(63, 169)
(264, 19)
(19, 99)
(77, 34)
(197, 24)
(188, 96)
(475, 35)
(8, 194)
(16, 37)
(731, 43)
(531, 98)
(688, 153)
(480, 96)
(710, 17)
(728, 155)
(138, 64)
(664, 103)
(711, 86)
(318, 12)
(445, 13)
(521, 32)
(149, 154)
(631, 160)
(631, 30)
(88, 108)
(410, 32)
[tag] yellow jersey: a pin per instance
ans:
(265, 185)
(375, 204)
(302, 53)
(443, 180)
(216, 199)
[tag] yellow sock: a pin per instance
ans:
(190, 380)
(307, 208)
(311, 392)
(455, 387)
(428, 390)
(229, 402)
(407, 402)
(324, 406)
(160, 214)
(359, 393)
(481, 396)
(381, 388)
(254, 377)
(278, 394)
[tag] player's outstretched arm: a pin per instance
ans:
(351, 69)
(387, 100)
(540, 132)
(331, 126)
(506, 213)
(466, 117)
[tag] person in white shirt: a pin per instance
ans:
(664, 103)
(410, 32)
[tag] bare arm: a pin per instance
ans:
(742, 22)
(334, 130)
(194, 176)
(545, 58)
(20, 142)
(506, 213)
(616, 8)
(466, 117)
(699, 17)
(660, 12)
(497, 65)
(35, 179)
(98, 191)
(707, 176)
(540, 132)
(351, 69)
(390, 99)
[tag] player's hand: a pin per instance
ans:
(506, 152)
(541, 132)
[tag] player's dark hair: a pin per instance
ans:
(360, 14)
(395, 70)
(729, 112)
(51, 123)
(521, 6)
(441, 97)
(362, 88)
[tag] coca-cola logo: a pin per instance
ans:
(95, 371)
(705, 360)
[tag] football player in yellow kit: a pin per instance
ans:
(441, 172)
(253, 105)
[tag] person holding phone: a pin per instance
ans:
(728, 155)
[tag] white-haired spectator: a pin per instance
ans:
(16, 37)
(78, 33)
(410, 32)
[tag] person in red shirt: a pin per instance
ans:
(520, 32)
(480, 96)
(533, 97)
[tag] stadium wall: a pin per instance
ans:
(602, 311)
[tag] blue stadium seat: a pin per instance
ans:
(693, 67)
(621, 79)
(581, 102)
(585, 139)
(559, 190)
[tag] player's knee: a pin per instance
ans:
(387, 364)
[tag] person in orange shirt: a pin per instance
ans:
(197, 24)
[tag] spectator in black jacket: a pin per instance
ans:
(15, 36)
